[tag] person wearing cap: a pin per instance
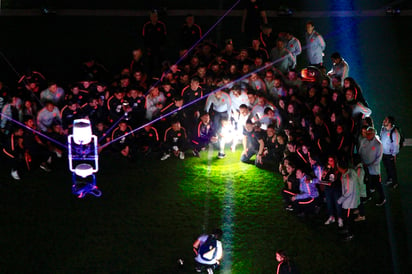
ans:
(371, 152)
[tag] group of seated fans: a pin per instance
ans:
(292, 122)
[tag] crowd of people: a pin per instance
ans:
(310, 125)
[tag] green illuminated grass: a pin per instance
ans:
(151, 212)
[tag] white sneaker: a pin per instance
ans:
(165, 156)
(58, 154)
(329, 221)
(181, 155)
(49, 160)
(15, 175)
(340, 222)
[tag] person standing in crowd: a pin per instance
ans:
(292, 44)
(315, 45)
(350, 198)
(390, 138)
(190, 32)
(371, 151)
(254, 16)
(155, 38)
(221, 109)
(208, 251)
(283, 59)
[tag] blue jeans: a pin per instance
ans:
(332, 195)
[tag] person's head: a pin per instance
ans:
(249, 126)
(178, 100)
(176, 125)
(310, 26)
(290, 168)
(291, 147)
(154, 17)
(271, 131)
(205, 117)
(72, 105)
(255, 43)
(280, 44)
(190, 20)
(123, 125)
(137, 54)
(52, 87)
(332, 161)
(244, 110)
(281, 256)
(251, 95)
(336, 58)
(267, 29)
(388, 122)
(49, 106)
(154, 91)
(342, 165)
(349, 95)
(300, 173)
(194, 83)
(28, 120)
(370, 133)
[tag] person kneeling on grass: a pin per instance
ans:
(174, 141)
(208, 251)
(225, 135)
(305, 201)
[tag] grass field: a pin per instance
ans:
(151, 211)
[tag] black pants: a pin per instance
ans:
(390, 167)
